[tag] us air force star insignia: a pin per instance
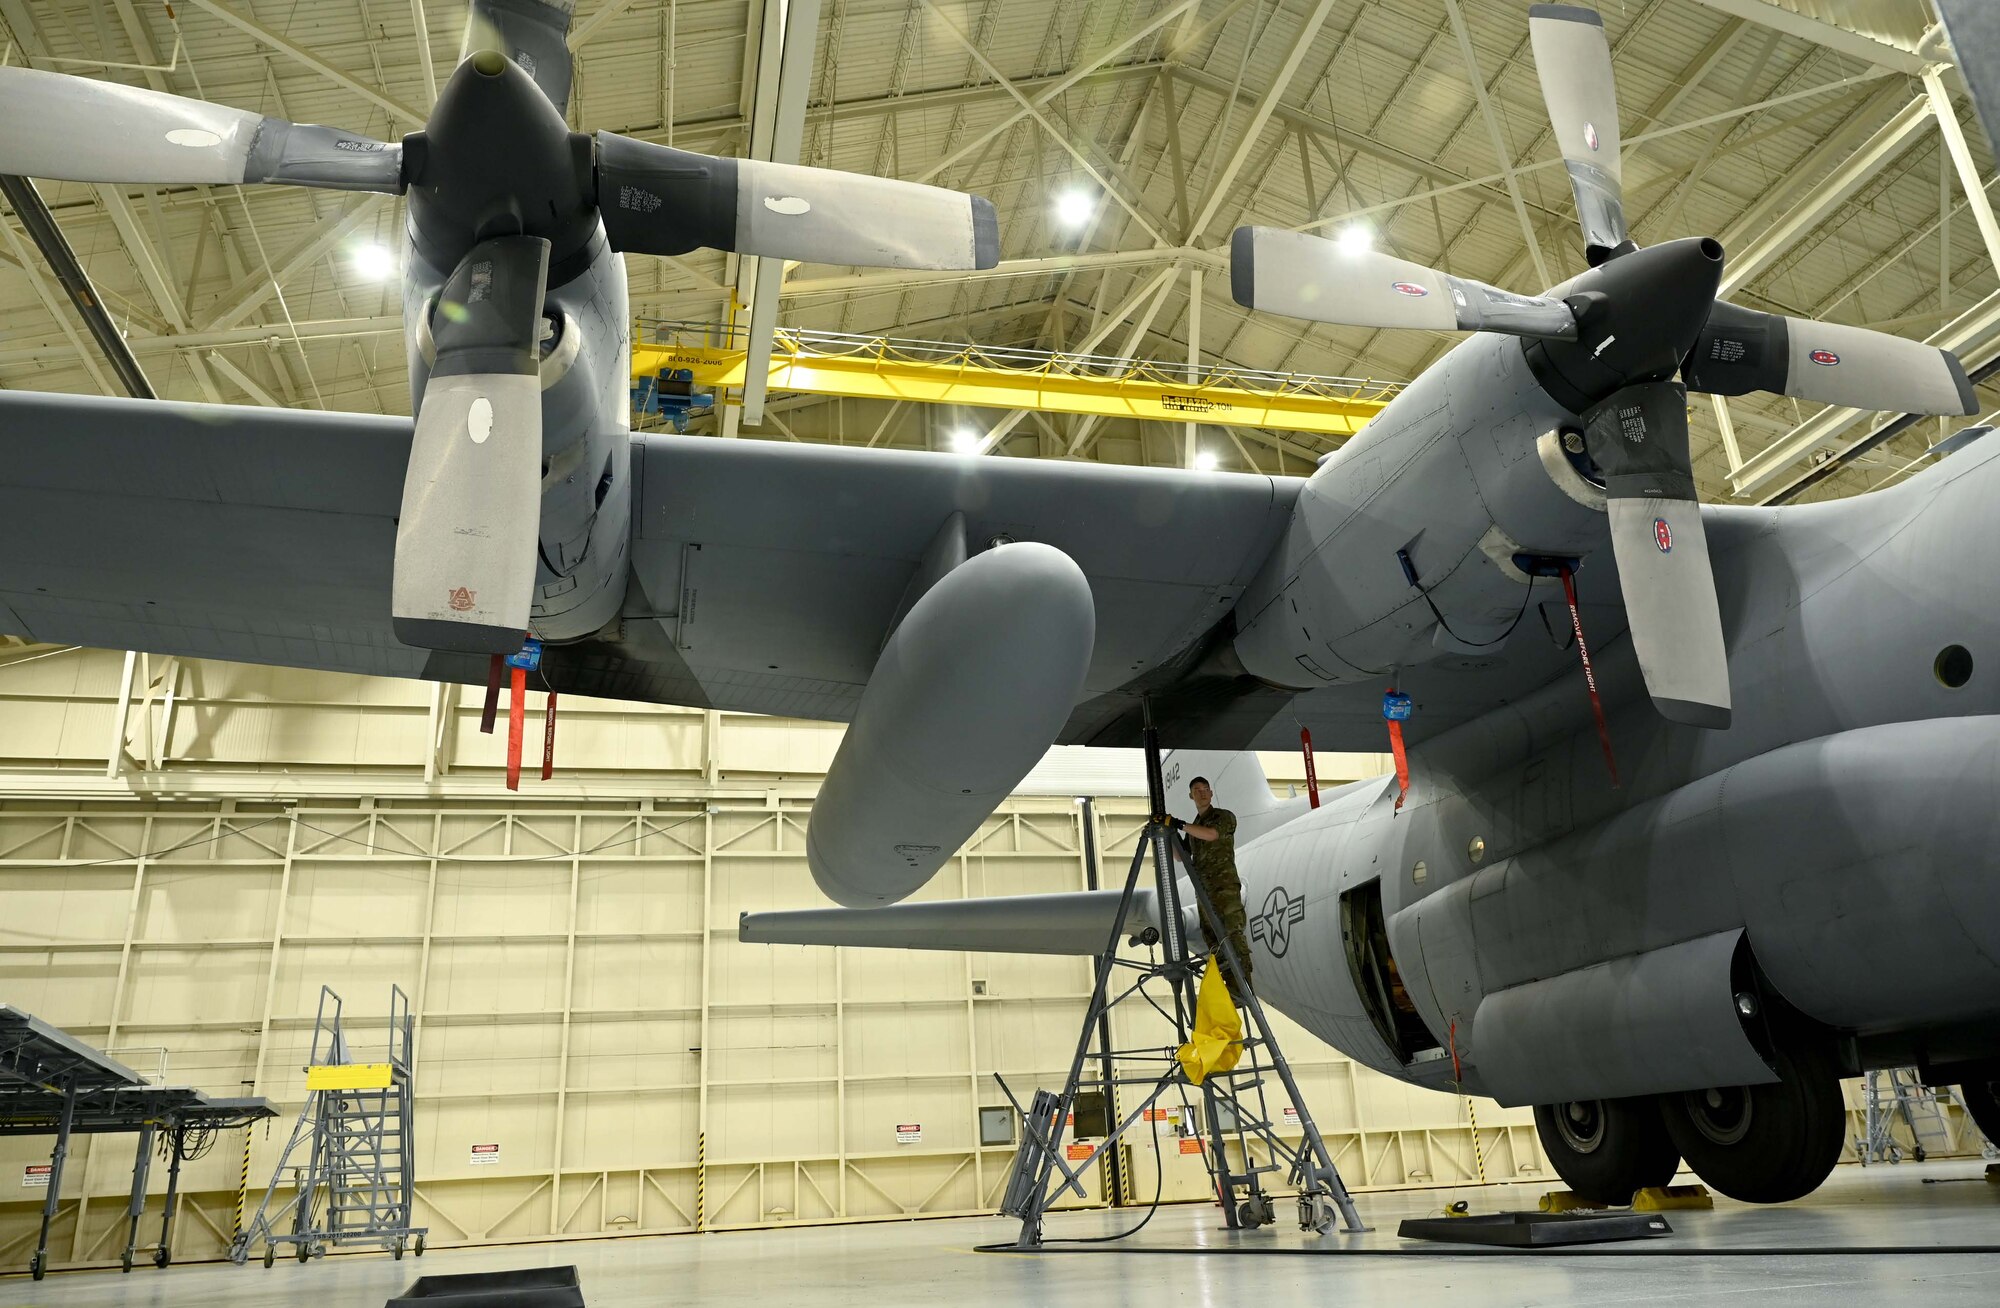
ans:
(1274, 925)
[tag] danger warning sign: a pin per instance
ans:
(1191, 1146)
(1080, 1153)
(35, 1176)
(485, 1155)
(909, 1133)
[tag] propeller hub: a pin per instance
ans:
(496, 159)
(1637, 317)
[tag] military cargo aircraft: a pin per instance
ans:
(1669, 897)
(1788, 877)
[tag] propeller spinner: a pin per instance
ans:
(1609, 349)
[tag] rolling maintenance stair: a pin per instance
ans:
(354, 1132)
(1242, 1145)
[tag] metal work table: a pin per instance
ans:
(51, 1083)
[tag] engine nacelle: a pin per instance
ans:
(971, 689)
(586, 512)
(1455, 473)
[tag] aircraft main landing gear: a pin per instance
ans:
(1605, 1149)
(1764, 1144)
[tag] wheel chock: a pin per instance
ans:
(1568, 1201)
(1661, 1198)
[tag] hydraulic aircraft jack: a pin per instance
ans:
(1234, 1112)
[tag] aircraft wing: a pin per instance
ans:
(213, 531)
(765, 575)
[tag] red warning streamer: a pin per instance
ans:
(549, 738)
(1312, 773)
(1402, 761)
(492, 705)
(1589, 676)
(517, 713)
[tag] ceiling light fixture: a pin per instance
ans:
(374, 262)
(1074, 207)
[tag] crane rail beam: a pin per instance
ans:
(925, 372)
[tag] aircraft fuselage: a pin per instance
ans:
(1524, 929)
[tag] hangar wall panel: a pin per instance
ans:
(570, 952)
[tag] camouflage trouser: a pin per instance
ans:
(1225, 892)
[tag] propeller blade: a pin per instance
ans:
(1639, 439)
(466, 541)
(659, 200)
(1306, 276)
(74, 129)
(1742, 350)
(1574, 62)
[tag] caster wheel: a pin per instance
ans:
(270, 1255)
(36, 1268)
(1315, 1213)
(420, 1246)
(305, 1251)
(1254, 1212)
(397, 1250)
(1918, 1153)
(161, 1258)
(125, 1263)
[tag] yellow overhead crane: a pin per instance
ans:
(931, 372)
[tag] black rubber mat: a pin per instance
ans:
(1536, 1230)
(530, 1287)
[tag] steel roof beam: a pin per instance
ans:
(784, 77)
(237, 302)
(1840, 40)
(1225, 177)
(300, 55)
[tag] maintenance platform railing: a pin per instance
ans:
(51, 1083)
(356, 1133)
(1011, 377)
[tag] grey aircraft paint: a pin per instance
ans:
(1832, 851)
(1835, 848)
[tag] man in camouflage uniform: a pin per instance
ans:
(1212, 845)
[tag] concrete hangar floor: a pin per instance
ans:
(1914, 1234)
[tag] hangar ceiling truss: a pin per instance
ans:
(1829, 145)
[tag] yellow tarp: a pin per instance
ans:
(349, 1076)
(1218, 1030)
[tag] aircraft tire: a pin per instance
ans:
(1604, 1149)
(1764, 1144)
(1982, 1105)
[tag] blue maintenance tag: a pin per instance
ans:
(530, 657)
(1396, 706)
